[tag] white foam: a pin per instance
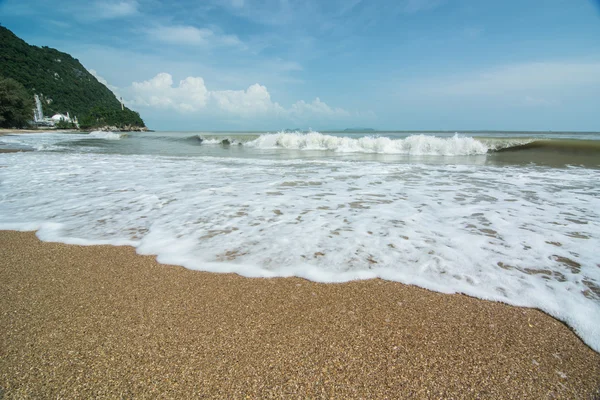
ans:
(527, 236)
(412, 145)
(219, 140)
(43, 141)
(106, 135)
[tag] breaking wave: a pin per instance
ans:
(578, 151)
(222, 140)
(106, 135)
(412, 145)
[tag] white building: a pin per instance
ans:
(60, 117)
(40, 120)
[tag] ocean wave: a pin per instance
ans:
(552, 145)
(526, 236)
(106, 135)
(222, 140)
(417, 145)
(504, 144)
(412, 145)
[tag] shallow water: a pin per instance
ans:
(506, 217)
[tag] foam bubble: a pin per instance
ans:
(222, 140)
(106, 135)
(412, 145)
(526, 236)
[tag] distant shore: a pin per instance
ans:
(102, 321)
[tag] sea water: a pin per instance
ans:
(511, 217)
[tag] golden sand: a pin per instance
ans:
(102, 321)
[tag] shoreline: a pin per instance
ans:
(6, 131)
(87, 321)
(9, 131)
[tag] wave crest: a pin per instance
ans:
(225, 140)
(412, 145)
(108, 135)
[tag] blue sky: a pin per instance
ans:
(332, 64)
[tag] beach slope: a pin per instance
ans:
(102, 321)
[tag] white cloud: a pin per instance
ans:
(159, 92)
(190, 35)
(115, 9)
(254, 100)
(191, 95)
(317, 107)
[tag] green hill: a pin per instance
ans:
(65, 84)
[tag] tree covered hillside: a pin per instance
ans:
(65, 84)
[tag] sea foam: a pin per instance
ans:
(108, 135)
(412, 145)
(527, 236)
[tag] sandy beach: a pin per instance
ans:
(6, 131)
(102, 321)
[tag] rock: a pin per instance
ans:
(124, 128)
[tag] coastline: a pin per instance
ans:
(103, 321)
(9, 131)
(6, 131)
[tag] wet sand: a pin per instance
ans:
(102, 321)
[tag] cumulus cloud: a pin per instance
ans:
(255, 99)
(190, 35)
(191, 95)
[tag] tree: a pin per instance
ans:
(102, 116)
(16, 105)
(63, 124)
(62, 82)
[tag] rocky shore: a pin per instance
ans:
(125, 128)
